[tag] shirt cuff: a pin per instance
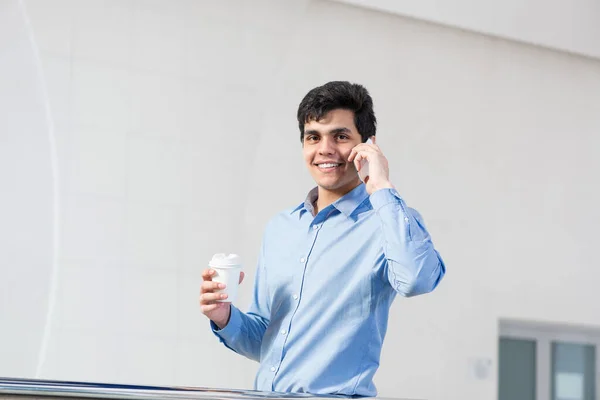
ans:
(232, 328)
(383, 197)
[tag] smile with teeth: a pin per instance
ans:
(328, 166)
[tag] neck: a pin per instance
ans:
(326, 196)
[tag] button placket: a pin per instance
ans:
(284, 332)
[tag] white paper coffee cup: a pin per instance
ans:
(227, 270)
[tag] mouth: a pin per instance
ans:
(328, 166)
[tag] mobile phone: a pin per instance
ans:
(364, 166)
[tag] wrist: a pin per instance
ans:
(383, 185)
(222, 323)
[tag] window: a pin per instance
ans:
(539, 361)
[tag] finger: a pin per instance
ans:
(360, 148)
(352, 154)
(357, 163)
(209, 298)
(242, 275)
(207, 274)
(361, 155)
(357, 149)
(210, 286)
(212, 307)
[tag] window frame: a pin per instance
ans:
(544, 334)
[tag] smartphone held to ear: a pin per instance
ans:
(364, 166)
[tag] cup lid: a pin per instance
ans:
(224, 260)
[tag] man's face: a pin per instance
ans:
(326, 147)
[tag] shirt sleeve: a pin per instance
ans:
(244, 331)
(413, 265)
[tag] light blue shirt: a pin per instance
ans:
(323, 290)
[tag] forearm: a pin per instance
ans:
(412, 269)
(243, 333)
(413, 265)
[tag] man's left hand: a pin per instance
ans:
(379, 173)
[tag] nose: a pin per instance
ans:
(326, 146)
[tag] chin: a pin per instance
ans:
(336, 185)
(328, 185)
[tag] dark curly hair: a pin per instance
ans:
(339, 95)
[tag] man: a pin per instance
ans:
(330, 268)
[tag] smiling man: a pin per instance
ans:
(330, 268)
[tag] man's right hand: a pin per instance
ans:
(217, 312)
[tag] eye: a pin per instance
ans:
(311, 138)
(343, 136)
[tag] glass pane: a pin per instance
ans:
(516, 369)
(573, 371)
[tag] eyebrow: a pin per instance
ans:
(333, 131)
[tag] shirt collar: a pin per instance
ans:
(346, 204)
(307, 205)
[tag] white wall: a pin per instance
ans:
(572, 26)
(27, 199)
(176, 133)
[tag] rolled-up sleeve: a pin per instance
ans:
(413, 264)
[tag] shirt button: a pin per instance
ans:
(406, 219)
(302, 260)
(295, 297)
(283, 331)
(315, 227)
(272, 369)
